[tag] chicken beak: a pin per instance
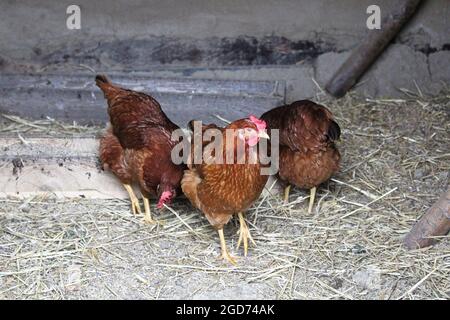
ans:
(263, 134)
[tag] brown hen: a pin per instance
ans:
(137, 147)
(308, 154)
(222, 190)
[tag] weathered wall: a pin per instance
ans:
(313, 36)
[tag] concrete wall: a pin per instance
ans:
(313, 36)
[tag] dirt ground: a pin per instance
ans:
(395, 166)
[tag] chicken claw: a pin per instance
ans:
(244, 234)
(135, 206)
(223, 245)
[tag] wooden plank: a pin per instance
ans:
(73, 179)
(145, 83)
(89, 106)
(433, 224)
(61, 167)
(76, 98)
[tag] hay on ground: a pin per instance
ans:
(395, 155)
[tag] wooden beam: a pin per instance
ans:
(76, 98)
(142, 81)
(434, 223)
(62, 167)
(369, 50)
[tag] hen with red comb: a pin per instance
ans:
(221, 190)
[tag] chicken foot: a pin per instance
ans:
(135, 206)
(286, 193)
(223, 245)
(244, 234)
(311, 199)
(147, 215)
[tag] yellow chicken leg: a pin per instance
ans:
(147, 215)
(223, 245)
(311, 199)
(286, 193)
(244, 234)
(135, 207)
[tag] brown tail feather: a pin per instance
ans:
(103, 83)
(101, 78)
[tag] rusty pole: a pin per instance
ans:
(368, 51)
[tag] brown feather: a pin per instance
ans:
(221, 190)
(308, 154)
(138, 145)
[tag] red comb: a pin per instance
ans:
(260, 124)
